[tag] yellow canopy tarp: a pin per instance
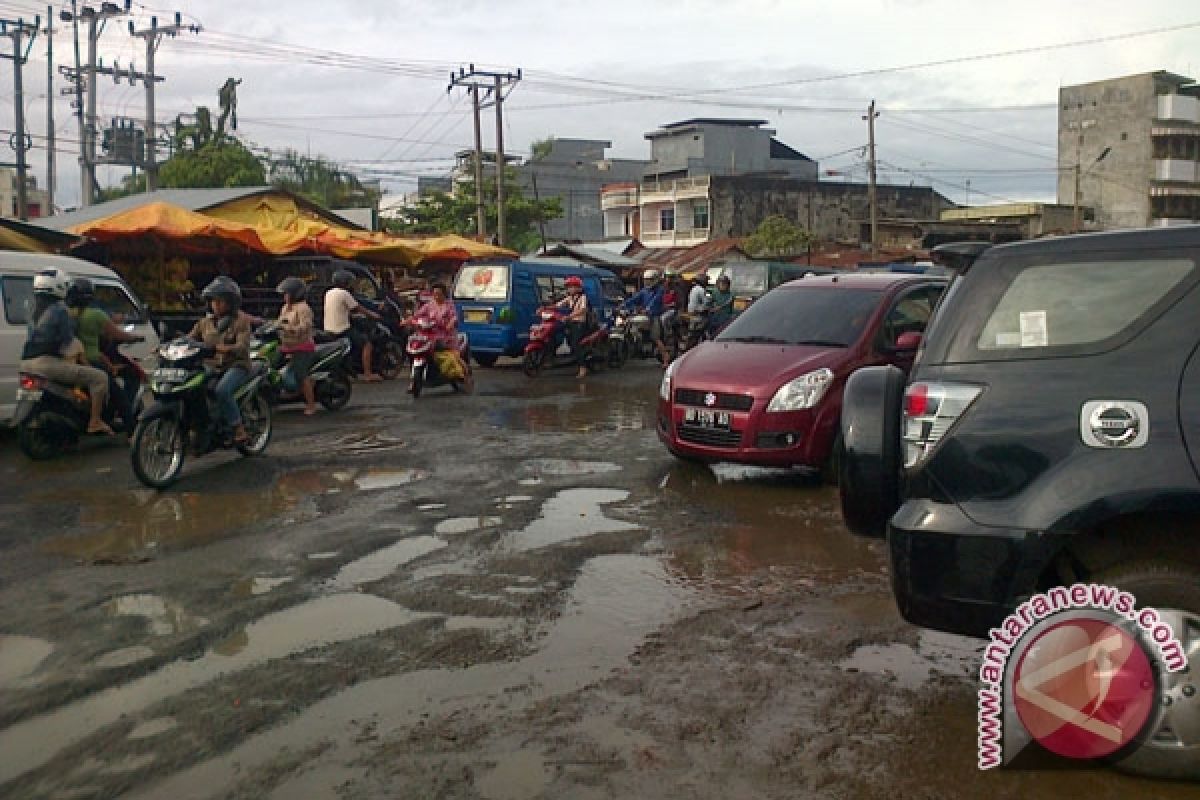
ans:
(14, 240)
(172, 222)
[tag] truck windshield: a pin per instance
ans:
(808, 316)
(482, 282)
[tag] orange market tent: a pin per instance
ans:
(172, 222)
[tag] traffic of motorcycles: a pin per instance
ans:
(181, 410)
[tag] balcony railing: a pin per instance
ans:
(669, 191)
(1179, 107)
(622, 198)
(1177, 170)
(685, 238)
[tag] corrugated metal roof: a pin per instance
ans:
(690, 259)
(593, 254)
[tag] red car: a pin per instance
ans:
(768, 390)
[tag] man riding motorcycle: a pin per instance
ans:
(721, 310)
(340, 306)
(227, 330)
(296, 340)
(93, 328)
(576, 306)
(49, 344)
(650, 299)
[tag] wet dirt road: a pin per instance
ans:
(515, 594)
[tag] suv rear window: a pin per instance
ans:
(1060, 305)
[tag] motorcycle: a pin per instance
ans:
(182, 419)
(51, 418)
(329, 372)
(621, 340)
(421, 347)
(548, 335)
(694, 330)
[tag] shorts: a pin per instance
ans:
(299, 365)
(353, 335)
(656, 329)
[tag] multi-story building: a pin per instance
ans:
(701, 147)
(1130, 148)
(35, 198)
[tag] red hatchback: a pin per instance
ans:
(768, 390)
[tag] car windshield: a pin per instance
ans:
(805, 316)
(482, 282)
(747, 278)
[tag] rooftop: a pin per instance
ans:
(673, 128)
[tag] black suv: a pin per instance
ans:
(1049, 434)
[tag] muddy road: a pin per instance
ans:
(511, 595)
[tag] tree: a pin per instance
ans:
(439, 212)
(776, 236)
(541, 148)
(319, 180)
(221, 163)
(129, 185)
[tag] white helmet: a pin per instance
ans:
(54, 282)
(651, 277)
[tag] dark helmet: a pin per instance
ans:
(292, 288)
(225, 288)
(700, 279)
(343, 278)
(80, 292)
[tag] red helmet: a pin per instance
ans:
(574, 281)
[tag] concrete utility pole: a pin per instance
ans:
(153, 37)
(51, 155)
(872, 187)
(494, 83)
(17, 31)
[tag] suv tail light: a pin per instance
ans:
(930, 410)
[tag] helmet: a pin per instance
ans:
(81, 292)
(671, 274)
(293, 288)
(651, 277)
(343, 278)
(225, 288)
(574, 282)
(724, 279)
(700, 278)
(53, 282)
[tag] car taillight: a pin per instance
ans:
(930, 410)
(32, 383)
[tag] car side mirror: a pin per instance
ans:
(908, 342)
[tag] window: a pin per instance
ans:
(613, 290)
(700, 217)
(666, 219)
(114, 300)
(551, 289)
(830, 317)
(1060, 305)
(484, 282)
(18, 299)
(910, 314)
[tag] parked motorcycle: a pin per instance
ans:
(183, 418)
(548, 335)
(421, 351)
(330, 372)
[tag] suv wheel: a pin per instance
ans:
(1172, 744)
(869, 460)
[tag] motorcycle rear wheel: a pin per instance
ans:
(418, 381)
(256, 417)
(533, 362)
(391, 361)
(334, 393)
(158, 452)
(40, 441)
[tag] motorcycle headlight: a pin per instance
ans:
(664, 389)
(803, 392)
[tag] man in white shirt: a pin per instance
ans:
(340, 306)
(698, 297)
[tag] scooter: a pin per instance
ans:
(421, 351)
(51, 418)
(547, 337)
(620, 341)
(182, 419)
(329, 372)
(695, 327)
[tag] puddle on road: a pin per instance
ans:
(124, 657)
(153, 727)
(374, 479)
(571, 514)
(163, 618)
(742, 473)
(457, 525)
(588, 414)
(258, 585)
(378, 565)
(20, 657)
(317, 623)
(615, 603)
(431, 507)
(935, 654)
(565, 468)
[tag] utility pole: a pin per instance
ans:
(872, 187)
(51, 155)
(17, 31)
(153, 38)
(494, 84)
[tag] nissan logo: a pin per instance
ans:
(1115, 425)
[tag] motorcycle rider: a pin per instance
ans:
(442, 313)
(92, 327)
(576, 306)
(340, 306)
(650, 299)
(722, 306)
(50, 339)
(227, 330)
(296, 340)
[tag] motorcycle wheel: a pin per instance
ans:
(616, 354)
(391, 361)
(533, 362)
(41, 441)
(418, 381)
(486, 360)
(158, 451)
(256, 416)
(334, 393)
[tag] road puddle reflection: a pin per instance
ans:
(911, 668)
(163, 618)
(20, 657)
(571, 514)
(565, 468)
(381, 563)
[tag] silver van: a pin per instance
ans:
(16, 293)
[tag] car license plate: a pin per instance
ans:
(706, 419)
(171, 375)
(477, 315)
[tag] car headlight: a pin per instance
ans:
(664, 389)
(803, 392)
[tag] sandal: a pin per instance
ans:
(101, 429)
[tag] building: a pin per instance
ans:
(703, 147)
(1031, 220)
(36, 200)
(1129, 147)
(691, 211)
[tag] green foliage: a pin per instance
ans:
(129, 185)
(777, 236)
(540, 149)
(321, 181)
(455, 213)
(223, 163)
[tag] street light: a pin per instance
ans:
(1079, 173)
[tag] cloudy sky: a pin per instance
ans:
(364, 83)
